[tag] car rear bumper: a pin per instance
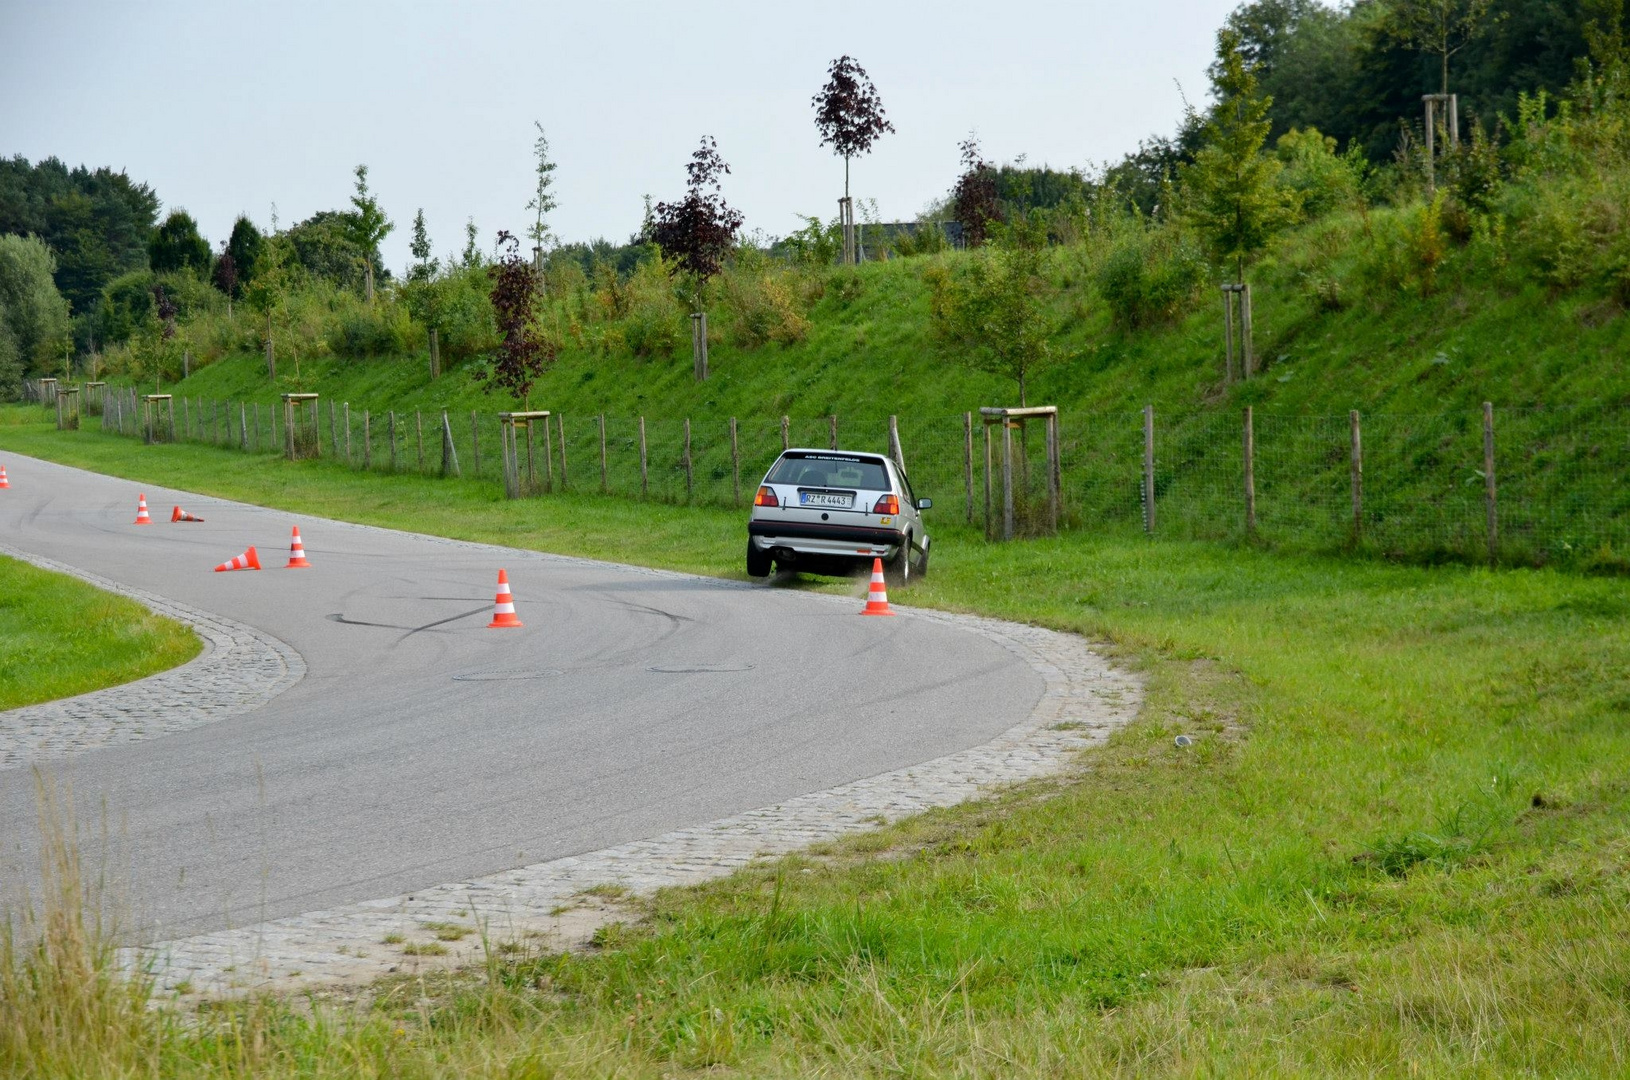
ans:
(838, 541)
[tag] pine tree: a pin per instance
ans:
(1232, 189)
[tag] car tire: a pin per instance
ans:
(922, 564)
(758, 562)
(897, 571)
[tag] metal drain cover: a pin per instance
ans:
(696, 669)
(507, 676)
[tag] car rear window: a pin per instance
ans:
(830, 470)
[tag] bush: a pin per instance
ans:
(372, 330)
(654, 321)
(763, 304)
(1322, 179)
(1149, 278)
(464, 321)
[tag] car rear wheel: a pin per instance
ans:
(897, 571)
(758, 562)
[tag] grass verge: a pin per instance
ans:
(1398, 844)
(60, 637)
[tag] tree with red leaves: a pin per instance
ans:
(698, 231)
(849, 113)
(975, 200)
(525, 351)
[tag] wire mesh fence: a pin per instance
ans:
(1517, 485)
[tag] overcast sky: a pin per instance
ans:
(228, 108)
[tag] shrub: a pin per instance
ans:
(764, 308)
(1149, 278)
(1322, 179)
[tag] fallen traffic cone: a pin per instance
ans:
(297, 552)
(503, 608)
(4, 483)
(247, 561)
(179, 514)
(141, 511)
(877, 600)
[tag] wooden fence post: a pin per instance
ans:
(1358, 475)
(367, 442)
(645, 480)
(561, 430)
(603, 487)
(1055, 493)
(1149, 469)
(435, 355)
(255, 442)
(449, 452)
(548, 451)
(349, 460)
(894, 443)
(786, 425)
(735, 466)
(418, 427)
(690, 479)
(967, 461)
(1007, 478)
(1250, 474)
(1491, 507)
(475, 444)
(391, 415)
(1228, 335)
(243, 426)
(333, 430)
(1247, 349)
(832, 422)
(990, 524)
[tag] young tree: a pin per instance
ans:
(1232, 189)
(225, 277)
(424, 266)
(244, 247)
(699, 230)
(33, 314)
(524, 352)
(542, 200)
(975, 200)
(177, 245)
(1440, 28)
(995, 313)
(368, 226)
(849, 113)
(472, 249)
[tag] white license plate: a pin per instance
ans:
(822, 498)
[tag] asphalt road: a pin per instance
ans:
(422, 747)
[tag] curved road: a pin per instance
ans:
(422, 747)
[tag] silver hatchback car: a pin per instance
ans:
(833, 511)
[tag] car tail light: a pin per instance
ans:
(766, 497)
(888, 504)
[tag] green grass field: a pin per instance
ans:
(60, 637)
(1399, 845)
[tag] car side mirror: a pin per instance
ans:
(925, 504)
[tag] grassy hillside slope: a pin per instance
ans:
(1345, 319)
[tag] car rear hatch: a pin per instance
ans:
(830, 501)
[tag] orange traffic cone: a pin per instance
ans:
(877, 600)
(179, 514)
(247, 561)
(503, 608)
(4, 483)
(297, 552)
(142, 517)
